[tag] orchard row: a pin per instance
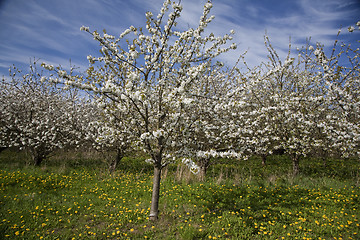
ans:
(159, 89)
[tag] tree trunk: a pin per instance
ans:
(154, 210)
(204, 164)
(116, 161)
(263, 160)
(202, 173)
(324, 162)
(296, 167)
(38, 158)
(38, 155)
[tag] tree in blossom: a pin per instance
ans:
(37, 116)
(151, 74)
(300, 105)
(108, 131)
(208, 135)
(338, 128)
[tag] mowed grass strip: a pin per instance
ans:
(42, 203)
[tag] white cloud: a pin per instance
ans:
(50, 30)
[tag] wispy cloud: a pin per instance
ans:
(299, 20)
(50, 29)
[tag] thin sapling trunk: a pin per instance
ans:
(154, 209)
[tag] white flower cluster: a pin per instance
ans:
(47, 66)
(216, 154)
(191, 165)
(352, 28)
(83, 28)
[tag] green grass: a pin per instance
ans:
(70, 197)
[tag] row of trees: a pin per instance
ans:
(159, 90)
(39, 117)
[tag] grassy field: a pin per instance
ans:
(72, 196)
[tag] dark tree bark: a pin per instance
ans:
(263, 160)
(115, 162)
(324, 162)
(38, 159)
(38, 155)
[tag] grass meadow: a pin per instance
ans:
(72, 196)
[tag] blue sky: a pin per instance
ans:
(49, 29)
